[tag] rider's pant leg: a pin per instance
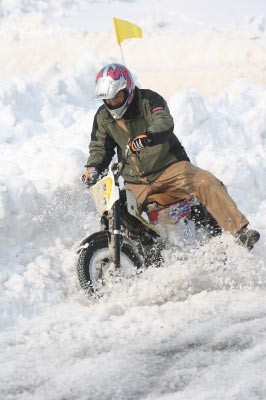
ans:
(184, 177)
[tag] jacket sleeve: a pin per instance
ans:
(161, 123)
(101, 147)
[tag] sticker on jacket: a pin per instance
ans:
(157, 109)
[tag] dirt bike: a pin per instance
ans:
(128, 240)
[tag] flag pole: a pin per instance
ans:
(122, 55)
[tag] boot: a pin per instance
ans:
(248, 237)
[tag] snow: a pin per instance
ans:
(193, 329)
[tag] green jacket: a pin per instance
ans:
(147, 113)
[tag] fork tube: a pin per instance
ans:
(116, 233)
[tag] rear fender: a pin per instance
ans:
(85, 243)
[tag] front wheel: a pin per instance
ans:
(95, 265)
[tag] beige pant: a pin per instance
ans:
(184, 180)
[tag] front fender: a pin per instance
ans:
(85, 243)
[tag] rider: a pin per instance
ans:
(159, 163)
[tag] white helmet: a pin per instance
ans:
(109, 81)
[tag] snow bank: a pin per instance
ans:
(176, 53)
(227, 136)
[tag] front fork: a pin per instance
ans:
(115, 242)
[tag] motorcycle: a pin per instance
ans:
(129, 241)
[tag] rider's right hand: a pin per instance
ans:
(90, 176)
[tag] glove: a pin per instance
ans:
(90, 176)
(139, 143)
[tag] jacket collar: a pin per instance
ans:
(134, 109)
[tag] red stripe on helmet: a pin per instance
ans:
(114, 73)
(99, 75)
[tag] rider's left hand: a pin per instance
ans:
(139, 143)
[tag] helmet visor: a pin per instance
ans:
(107, 88)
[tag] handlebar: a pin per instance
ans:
(117, 168)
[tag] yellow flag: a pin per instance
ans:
(125, 30)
